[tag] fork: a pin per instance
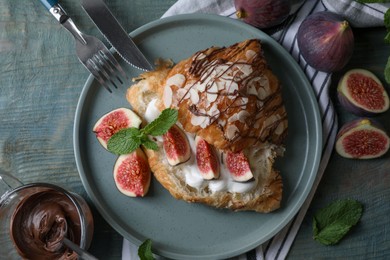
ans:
(92, 53)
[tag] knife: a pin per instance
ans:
(109, 26)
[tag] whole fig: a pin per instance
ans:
(326, 41)
(262, 13)
(362, 93)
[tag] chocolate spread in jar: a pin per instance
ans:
(41, 221)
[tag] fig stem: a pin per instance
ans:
(344, 25)
(241, 14)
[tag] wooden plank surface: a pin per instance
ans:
(40, 83)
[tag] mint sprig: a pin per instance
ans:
(145, 250)
(128, 140)
(161, 125)
(333, 222)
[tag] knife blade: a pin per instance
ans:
(109, 26)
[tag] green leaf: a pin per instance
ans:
(333, 222)
(387, 38)
(149, 144)
(125, 141)
(145, 250)
(161, 125)
(387, 19)
(387, 71)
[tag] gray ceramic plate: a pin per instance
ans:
(178, 229)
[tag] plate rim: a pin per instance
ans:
(299, 201)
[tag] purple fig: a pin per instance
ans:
(114, 121)
(325, 41)
(262, 13)
(176, 146)
(206, 159)
(238, 166)
(362, 93)
(132, 174)
(362, 139)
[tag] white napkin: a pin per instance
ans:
(361, 15)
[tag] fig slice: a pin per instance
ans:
(362, 139)
(362, 93)
(238, 166)
(176, 146)
(206, 159)
(132, 174)
(114, 121)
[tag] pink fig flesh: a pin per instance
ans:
(362, 93)
(114, 121)
(325, 41)
(176, 146)
(206, 159)
(262, 13)
(132, 174)
(362, 139)
(238, 166)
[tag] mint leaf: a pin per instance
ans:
(125, 141)
(161, 125)
(333, 222)
(387, 38)
(149, 144)
(145, 250)
(387, 71)
(387, 19)
(128, 140)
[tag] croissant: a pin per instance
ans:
(228, 97)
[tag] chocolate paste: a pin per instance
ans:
(41, 221)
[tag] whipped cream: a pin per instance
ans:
(190, 169)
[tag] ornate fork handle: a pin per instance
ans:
(60, 15)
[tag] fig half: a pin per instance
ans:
(326, 41)
(176, 146)
(362, 139)
(238, 166)
(206, 159)
(362, 93)
(132, 174)
(114, 121)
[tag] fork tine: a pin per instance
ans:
(108, 55)
(91, 66)
(104, 68)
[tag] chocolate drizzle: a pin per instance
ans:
(226, 66)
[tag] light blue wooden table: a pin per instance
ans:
(40, 83)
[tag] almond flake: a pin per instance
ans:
(200, 87)
(243, 115)
(182, 94)
(220, 84)
(212, 97)
(231, 131)
(167, 96)
(280, 129)
(176, 80)
(232, 90)
(250, 54)
(252, 90)
(194, 96)
(197, 120)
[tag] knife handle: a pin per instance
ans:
(49, 3)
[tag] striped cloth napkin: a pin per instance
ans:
(359, 15)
